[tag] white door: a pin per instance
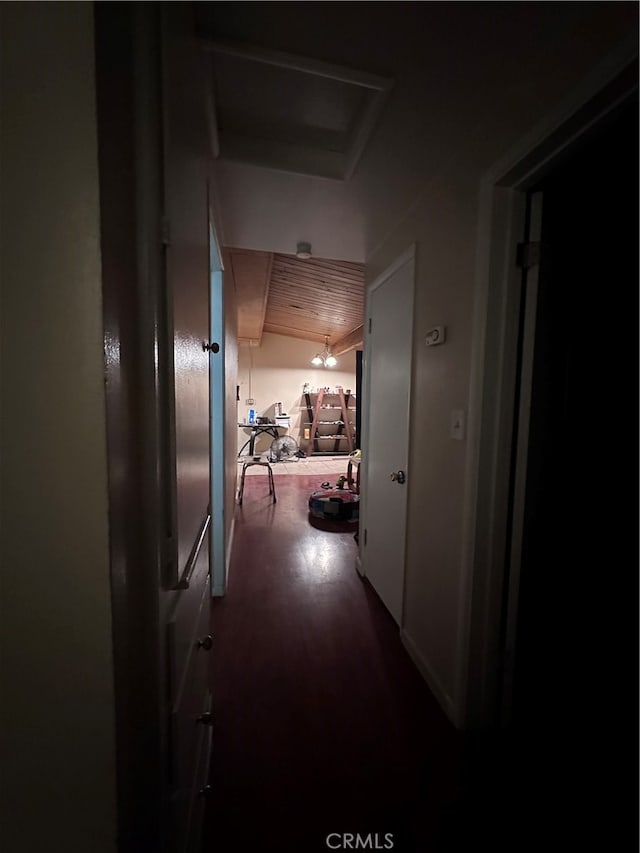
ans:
(386, 446)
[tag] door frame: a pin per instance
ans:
(492, 397)
(408, 256)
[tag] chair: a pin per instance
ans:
(263, 464)
(355, 459)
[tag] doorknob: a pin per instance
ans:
(206, 643)
(214, 347)
(398, 477)
(206, 719)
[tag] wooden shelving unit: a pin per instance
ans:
(331, 422)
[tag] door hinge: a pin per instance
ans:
(369, 325)
(170, 551)
(528, 255)
(365, 536)
(165, 229)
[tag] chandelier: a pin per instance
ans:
(324, 358)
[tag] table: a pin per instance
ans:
(270, 429)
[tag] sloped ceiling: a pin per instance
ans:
(302, 298)
(250, 273)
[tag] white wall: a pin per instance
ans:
(276, 371)
(57, 702)
(428, 193)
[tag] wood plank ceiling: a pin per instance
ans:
(302, 298)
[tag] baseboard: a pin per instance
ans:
(220, 587)
(359, 568)
(232, 530)
(426, 672)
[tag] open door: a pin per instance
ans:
(217, 418)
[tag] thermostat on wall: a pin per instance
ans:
(435, 336)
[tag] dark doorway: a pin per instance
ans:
(575, 702)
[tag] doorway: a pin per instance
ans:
(573, 707)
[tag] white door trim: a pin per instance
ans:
(502, 198)
(520, 458)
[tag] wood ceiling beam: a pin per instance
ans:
(251, 273)
(291, 332)
(354, 340)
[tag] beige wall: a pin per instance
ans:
(428, 194)
(57, 702)
(276, 371)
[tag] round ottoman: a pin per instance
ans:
(335, 505)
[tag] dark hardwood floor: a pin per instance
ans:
(322, 723)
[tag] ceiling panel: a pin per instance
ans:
(282, 104)
(289, 112)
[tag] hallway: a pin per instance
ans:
(130, 161)
(322, 723)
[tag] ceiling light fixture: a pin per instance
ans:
(303, 251)
(326, 357)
